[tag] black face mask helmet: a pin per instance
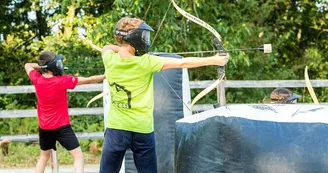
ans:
(292, 98)
(139, 38)
(283, 96)
(55, 66)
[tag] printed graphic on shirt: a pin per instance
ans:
(118, 89)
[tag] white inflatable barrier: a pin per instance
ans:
(254, 138)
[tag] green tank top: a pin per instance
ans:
(132, 93)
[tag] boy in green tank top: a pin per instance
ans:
(129, 71)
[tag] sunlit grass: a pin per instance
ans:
(23, 155)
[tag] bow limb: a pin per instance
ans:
(309, 86)
(207, 90)
(97, 97)
(219, 45)
(197, 20)
(102, 94)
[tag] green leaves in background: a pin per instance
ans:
(296, 29)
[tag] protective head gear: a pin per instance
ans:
(139, 38)
(55, 65)
(292, 98)
(283, 96)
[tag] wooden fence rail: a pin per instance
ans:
(99, 110)
(193, 85)
(33, 113)
(99, 88)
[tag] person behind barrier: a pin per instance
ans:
(283, 96)
(51, 86)
(129, 71)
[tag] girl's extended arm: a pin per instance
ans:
(91, 79)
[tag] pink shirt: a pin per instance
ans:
(52, 103)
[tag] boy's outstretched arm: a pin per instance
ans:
(91, 79)
(170, 63)
(31, 66)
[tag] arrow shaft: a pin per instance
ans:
(213, 51)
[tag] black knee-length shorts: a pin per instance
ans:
(64, 135)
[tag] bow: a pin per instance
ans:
(309, 86)
(217, 43)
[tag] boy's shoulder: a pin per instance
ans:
(69, 78)
(34, 75)
(35, 72)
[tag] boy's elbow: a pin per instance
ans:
(27, 65)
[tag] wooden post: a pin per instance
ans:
(221, 88)
(54, 162)
(221, 94)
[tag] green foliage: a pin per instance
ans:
(20, 155)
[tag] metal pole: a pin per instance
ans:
(54, 162)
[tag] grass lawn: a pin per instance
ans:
(24, 155)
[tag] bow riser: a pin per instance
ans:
(220, 47)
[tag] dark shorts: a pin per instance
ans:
(64, 135)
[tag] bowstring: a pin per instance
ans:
(160, 25)
(175, 92)
(159, 28)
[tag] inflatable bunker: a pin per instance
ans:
(254, 139)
